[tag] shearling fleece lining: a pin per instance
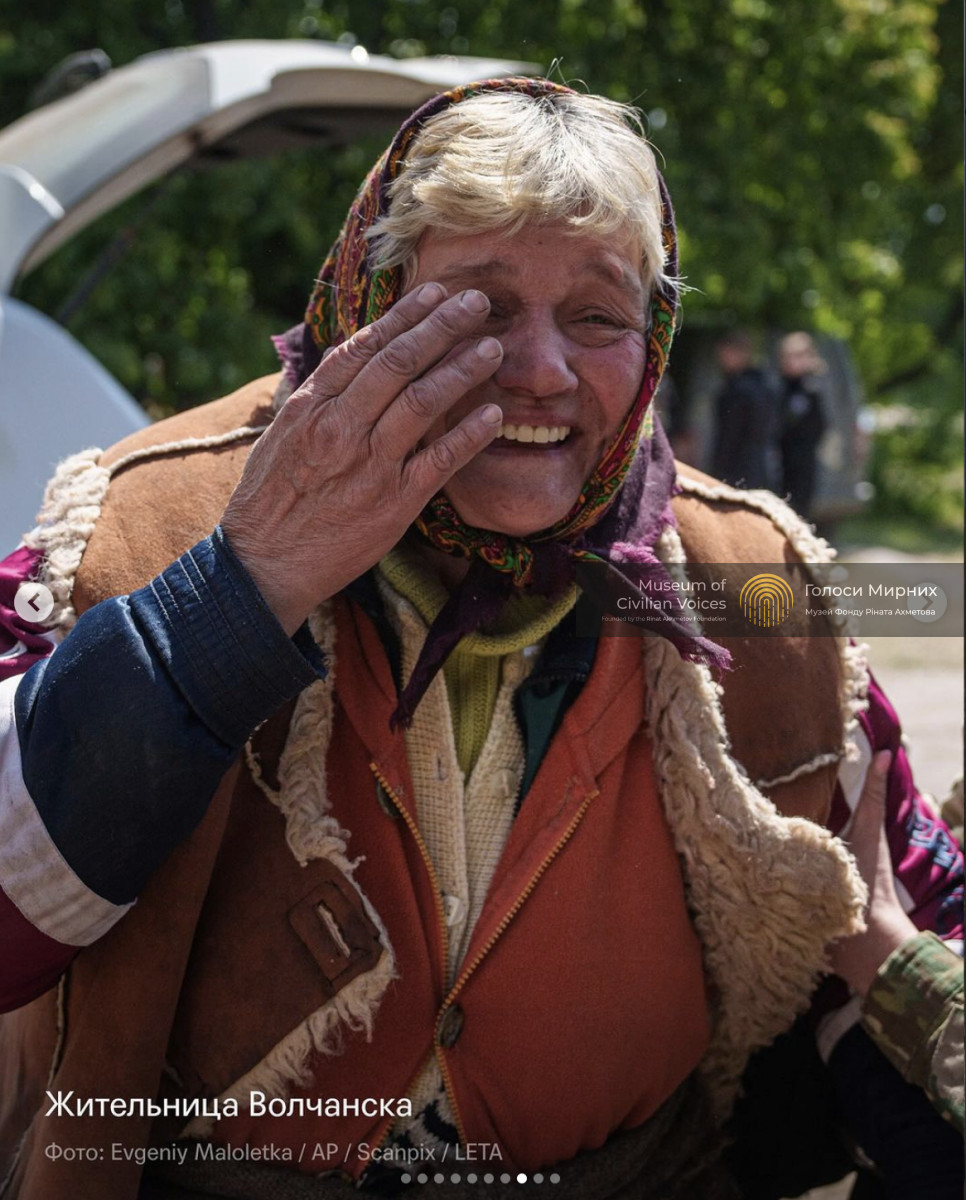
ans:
(71, 506)
(748, 870)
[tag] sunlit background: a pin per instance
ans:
(813, 152)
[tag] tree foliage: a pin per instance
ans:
(813, 151)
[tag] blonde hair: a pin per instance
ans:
(501, 160)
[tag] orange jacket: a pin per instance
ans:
(580, 1004)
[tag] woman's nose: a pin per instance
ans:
(536, 359)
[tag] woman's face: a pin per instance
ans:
(570, 312)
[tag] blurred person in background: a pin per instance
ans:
(675, 412)
(802, 419)
(744, 415)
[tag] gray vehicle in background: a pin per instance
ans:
(67, 163)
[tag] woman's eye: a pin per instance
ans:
(602, 321)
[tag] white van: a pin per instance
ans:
(67, 163)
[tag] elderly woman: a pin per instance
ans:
(427, 881)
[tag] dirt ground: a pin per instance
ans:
(923, 677)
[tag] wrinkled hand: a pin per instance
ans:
(336, 480)
(857, 959)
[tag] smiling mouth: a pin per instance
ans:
(540, 435)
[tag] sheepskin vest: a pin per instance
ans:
(667, 891)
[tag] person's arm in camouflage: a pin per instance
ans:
(911, 984)
(914, 1012)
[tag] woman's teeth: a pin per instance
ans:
(534, 433)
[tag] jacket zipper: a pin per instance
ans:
(491, 941)
(440, 922)
(518, 903)
(414, 830)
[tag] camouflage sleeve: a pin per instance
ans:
(914, 1013)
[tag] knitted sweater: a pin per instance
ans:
(466, 756)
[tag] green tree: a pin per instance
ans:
(812, 150)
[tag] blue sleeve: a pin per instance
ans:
(126, 730)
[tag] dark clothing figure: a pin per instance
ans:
(803, 424)
(674, 407)
(744, 428)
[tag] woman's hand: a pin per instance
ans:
(339, 476)
(857, 959)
